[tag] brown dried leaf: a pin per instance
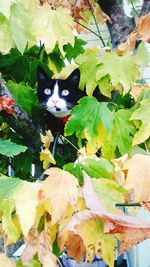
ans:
(141, 32)
(100, 15)
(143, 28)
(31, 246)
(74, 245)
(137, 89)
(39, 243)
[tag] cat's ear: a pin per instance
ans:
(41, 74)
(74, 77)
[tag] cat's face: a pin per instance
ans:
(58, 96)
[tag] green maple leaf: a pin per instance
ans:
(142, 114)
(122, 70)
(98, 168)
(73, 52)
(88, 65)
(10, 149)
(24, 95)
(20, 26)
(87, 116)
(120, 135)
(6, 42)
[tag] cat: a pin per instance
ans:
(57, 97)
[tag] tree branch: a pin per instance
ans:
(121, 24)
(145, 8)
(21, 122)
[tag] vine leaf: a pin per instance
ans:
(142, 114)
(138, 177)
(53, 190)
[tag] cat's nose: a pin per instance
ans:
(55, 101)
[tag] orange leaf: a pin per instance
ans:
(143, 28)
(74, 245)
(130, 230)
(61, 188)
(138, 177)
(6, 103)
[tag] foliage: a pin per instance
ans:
(76, 205)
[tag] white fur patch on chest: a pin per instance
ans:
(56, 105)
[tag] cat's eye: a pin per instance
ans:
(65, 92)
(47, 91)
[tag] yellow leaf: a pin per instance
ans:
(65, 218)
(61, 188)
(96, 242)
(10, 229)
(26, 202)
(94, 144)
(52, 26)
(50, 229)
(47, 157)
(46, 139)
(119, 173)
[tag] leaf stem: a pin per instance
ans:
(63, 137)
(96, 24)
(138, 204)
(134, 9)
(86, 28)
(146, 148)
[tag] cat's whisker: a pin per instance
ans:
(42, 105)
(69, 105)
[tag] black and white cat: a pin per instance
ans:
(57, 98)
